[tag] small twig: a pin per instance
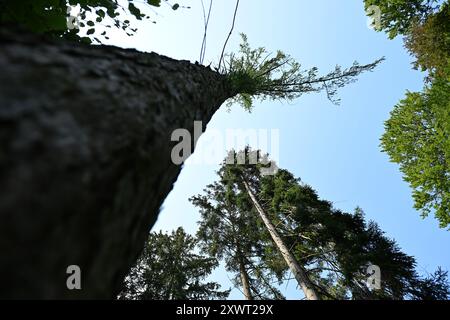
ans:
(229, 34)
(206, 21)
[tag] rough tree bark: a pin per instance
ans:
(85, 157)
(299, 273)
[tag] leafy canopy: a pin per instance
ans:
(333, 246)
(417, 134)
(429, 42)
(397, 16)
(417, 137)
(53, 16)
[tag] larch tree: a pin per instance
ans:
(86, 140)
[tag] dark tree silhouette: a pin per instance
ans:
(170, 269)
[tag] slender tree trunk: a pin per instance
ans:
(85, 157)
(245, 281)
(299, 273)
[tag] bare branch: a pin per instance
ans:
(229, 34)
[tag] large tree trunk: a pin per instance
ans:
(85, 158)
(299, 273)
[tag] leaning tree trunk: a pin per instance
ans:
(299, 273)
(85, 160)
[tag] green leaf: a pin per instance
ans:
(135, 11)
(86, 40)
(101, 13)
(155, 3)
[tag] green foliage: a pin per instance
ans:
(170, 269)
(333, 246)
(336, 246)
(39, 15)
(53, 16)
(429, 42)
(254, 74)
(417, 133)
(433, 287)
(418, 138)
(397, 16)
(230, 230)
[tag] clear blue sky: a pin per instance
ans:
(334, 149)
